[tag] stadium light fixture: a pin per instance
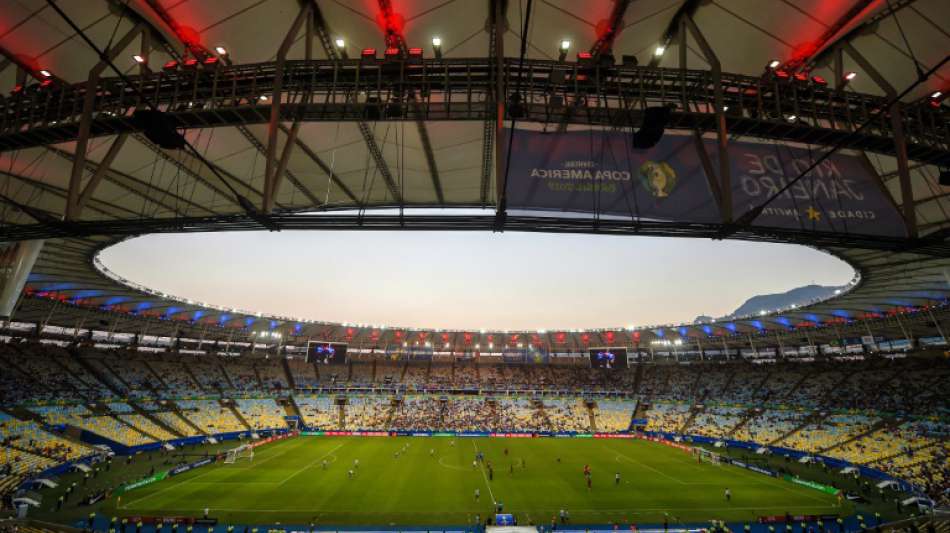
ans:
(221, 51)
(45, 73)
(565, 46)
(850, 76)
(660, 50)
(138, 59)
(936, 94)
(791, 118)
(774, 63)
(262, 98)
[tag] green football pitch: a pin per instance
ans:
(428, 481)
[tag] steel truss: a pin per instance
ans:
(463, 89)
(423, 222)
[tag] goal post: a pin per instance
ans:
(244, 451)
(703, 455)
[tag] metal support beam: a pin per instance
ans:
(395, 39)
(289, 144)
(291, 177)
(271, 177)
(685, 10)
(496, 31)
(99, 173)
(323, 166)
(605, 43)
(900, 139)
(722, 133)
(85, 123)
(500, 98)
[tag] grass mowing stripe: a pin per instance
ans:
(413, 481)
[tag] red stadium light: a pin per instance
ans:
(190, 63)
(818, 80)
(170, 65)
(801, 76)
(782, 74)
(415, 53)
(17, 88)
(584, 56)
(368, 53)
(391, 53)
(211, 61)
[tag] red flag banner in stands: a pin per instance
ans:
(597, 171)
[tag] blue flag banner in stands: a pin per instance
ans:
(596, 171)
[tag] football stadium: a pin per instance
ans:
(644, 162)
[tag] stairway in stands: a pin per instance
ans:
(816, 417)
(637, 379)
(693, 411)
(592, 420)
(230, 404)
(290, 407)
(889, 423)
(178, 412)
(746, 416)
(290, 376)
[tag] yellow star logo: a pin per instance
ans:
(813, 214)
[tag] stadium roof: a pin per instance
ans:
(432, 159)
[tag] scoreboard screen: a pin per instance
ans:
(326, 353)
(609, 358)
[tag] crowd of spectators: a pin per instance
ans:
(891, 414)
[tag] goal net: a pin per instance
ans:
(703, 455)
(241, 452)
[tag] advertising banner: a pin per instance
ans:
(181, 469)
(810, 484)
(142, 482)
(598, 171)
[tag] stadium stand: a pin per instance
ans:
(318, 411)
(261, 413)
(210, 416)
(818, 407)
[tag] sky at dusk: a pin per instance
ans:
(458, 280)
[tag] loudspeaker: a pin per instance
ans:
(945, 177)
(159, 128)
(654, 122)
